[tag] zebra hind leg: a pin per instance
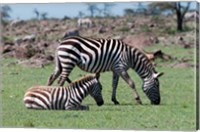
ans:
(57, 71)
(53, 77)
(63, 78)
(114, 88)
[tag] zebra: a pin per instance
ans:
(65, 98)
(100, 55)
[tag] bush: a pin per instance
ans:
(170, 30)
(124, 29)
(145, 28)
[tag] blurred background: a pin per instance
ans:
(33, 30)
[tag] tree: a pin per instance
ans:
(80, 14)
(176, 7)
(107, 8)
(141, 9)
(36, 13)
(5, 10)
(92, 8)
(128, 12)
(44, 15)
(152, 10)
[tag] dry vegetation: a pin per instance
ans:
(33, 42)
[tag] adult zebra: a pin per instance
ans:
(68, 98)
(100, 55)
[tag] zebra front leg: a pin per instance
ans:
(84, 107)
(80, 107)
(114, 88)
(130, 82)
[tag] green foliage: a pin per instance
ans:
(173, 30)
(176, 112)
(157, 19)
(187, 28)
(124, 29)
(170, 30)
(66, 18)
(44, 15)
(128, 12)
(145, 28)
(7, 38)
(5, 14)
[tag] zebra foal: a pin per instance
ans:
(100, 55)
(66, 98)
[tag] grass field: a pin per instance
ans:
(176, 112)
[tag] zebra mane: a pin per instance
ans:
(150, 67)
(82, 79)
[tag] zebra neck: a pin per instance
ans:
(82, 88)
(140, 63)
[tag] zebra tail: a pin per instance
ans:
(58, 63)
(59, 67)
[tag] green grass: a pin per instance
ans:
(176, 112)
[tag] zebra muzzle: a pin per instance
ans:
(156, 102)
(100, 103)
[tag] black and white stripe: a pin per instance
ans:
(70, 97)
(100, 55)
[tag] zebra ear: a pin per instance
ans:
(157, 75)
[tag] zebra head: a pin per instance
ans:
(151, 88)
(95, 91)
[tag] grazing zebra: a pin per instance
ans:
(100, 55)
(68, 98)
(84, 22)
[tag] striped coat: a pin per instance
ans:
(100, 55)
(70, 97)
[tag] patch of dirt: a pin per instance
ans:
(141, 40)
(34, 40)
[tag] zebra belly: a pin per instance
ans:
(85, 68)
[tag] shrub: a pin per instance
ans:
(145, 28)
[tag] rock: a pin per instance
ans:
(152, 25)
(71, 32)
(9, 43)
(27, 51)
(7, 48)
(102, 30)
(18, 40)
(30, 38)
(16, 22)
(130, 25)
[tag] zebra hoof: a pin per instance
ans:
(87, 108)
(139, 102)
(116, 103)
